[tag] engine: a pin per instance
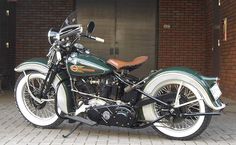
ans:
(106, 87)
(112, 115)
(108, 112)
(110, 87)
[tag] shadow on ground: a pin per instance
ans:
(14, 129)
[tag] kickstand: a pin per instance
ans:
(65, 136)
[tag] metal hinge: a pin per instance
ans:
(7, 44)
(7, 12)
(218, 43)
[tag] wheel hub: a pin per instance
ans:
(175, 114)
(36, 104)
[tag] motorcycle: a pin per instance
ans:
(72, 84)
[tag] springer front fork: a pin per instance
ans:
(47, 83)
(45, 86)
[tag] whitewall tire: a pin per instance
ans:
(176, 127)
(39, 115)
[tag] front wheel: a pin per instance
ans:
(176, 127)
(41, 115)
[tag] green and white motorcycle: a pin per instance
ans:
(72, 84)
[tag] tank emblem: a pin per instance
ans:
(80, 69)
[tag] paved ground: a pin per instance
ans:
(15, 130)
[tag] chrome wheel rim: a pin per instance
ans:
(45, 110)
(151, 114)
(179, 123)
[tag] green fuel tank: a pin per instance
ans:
(86, 65)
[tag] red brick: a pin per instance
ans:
(184, 44)
(187, 43)
(33, 20)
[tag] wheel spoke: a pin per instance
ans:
(44, 110)
(176, 103)
(184, 104)
(188, 121)
(195, 108)
(31, 84)
(187, 103)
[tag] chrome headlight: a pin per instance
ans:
(53, 35)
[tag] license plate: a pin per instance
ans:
(215, 91)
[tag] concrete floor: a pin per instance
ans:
(14, 130)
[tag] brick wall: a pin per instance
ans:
(184, 43)
(228, 50)
(33, 20)
(187, 42)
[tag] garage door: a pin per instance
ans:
(128, 27)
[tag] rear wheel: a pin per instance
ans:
(178, 127)
(39, 114)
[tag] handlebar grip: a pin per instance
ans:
(99, 39)
(95, 38)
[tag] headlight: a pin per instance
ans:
(53, 35)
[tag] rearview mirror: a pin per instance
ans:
(90, 27)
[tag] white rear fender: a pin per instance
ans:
(188, 78)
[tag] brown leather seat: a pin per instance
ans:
(120, 64)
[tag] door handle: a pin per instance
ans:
(117, 51)
(111, 51)
(114, 51)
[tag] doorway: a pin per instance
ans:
(7, 43)
(129, 28)
(216, 37)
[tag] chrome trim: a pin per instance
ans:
(31, 94)
(53, 34)
(65, 33)
(98, 97)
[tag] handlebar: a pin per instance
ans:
(97, 39)
(94, 38)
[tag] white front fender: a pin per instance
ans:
(40, 66)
